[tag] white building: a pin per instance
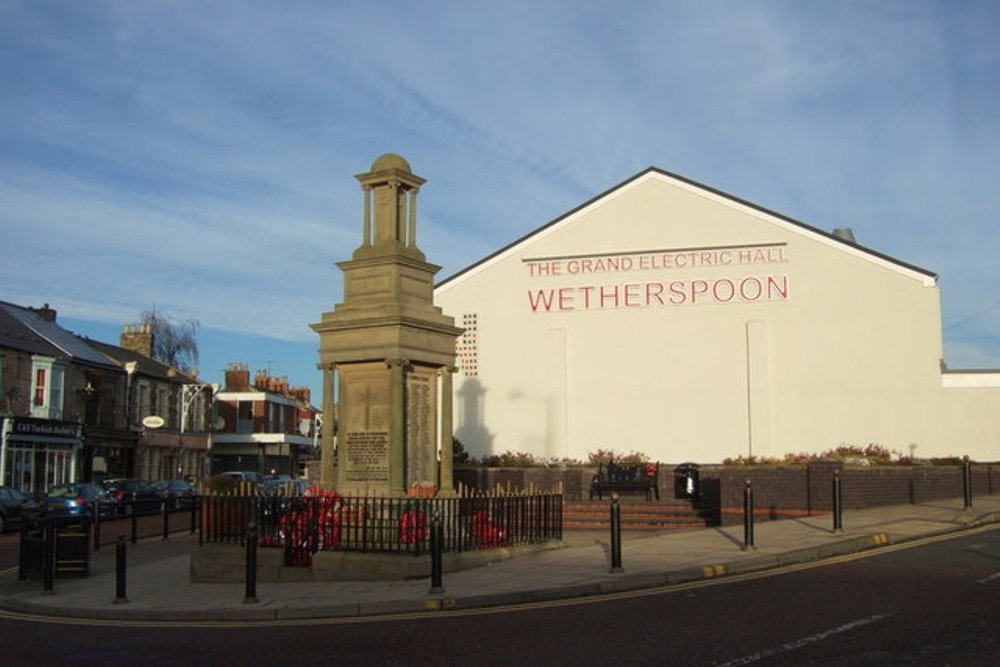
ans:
(669, 318)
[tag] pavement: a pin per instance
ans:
(159, 587)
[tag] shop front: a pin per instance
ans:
(173, 455)
(36, 454)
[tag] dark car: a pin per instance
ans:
(14, 505)
(177, 492)
(133, 495)
(77, 499)
(284, 487)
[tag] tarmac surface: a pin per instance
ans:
(159, 587)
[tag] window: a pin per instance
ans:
(47, 376)
(39, 387)
(56, 392)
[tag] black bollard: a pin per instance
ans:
(748, 516)
(166, 518)
(120, 597)
(251, 562)
(49, 556)
(838, 516)
(194, 512)
(22, 557)
(97, 525)
(967, 481)
(135, 518)
(616, 535)
(437, 558)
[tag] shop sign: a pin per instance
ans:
(49, 428)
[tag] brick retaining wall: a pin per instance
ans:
(779, 491)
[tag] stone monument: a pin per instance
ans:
(387, 354)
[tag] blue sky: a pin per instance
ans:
(199, 156)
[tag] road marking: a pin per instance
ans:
(713, 570)
(986, 580)
(805, 641)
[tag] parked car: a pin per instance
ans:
(133, 495)
(243, 476)
(283, 485)
(78, 499)
(14, 505)
(177, 492)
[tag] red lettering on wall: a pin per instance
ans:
(566, 298)
(654, 291)
(542, 297)
(723, 290)
(774, 288)
(609, 294)
(632, 295)
(751, 289)
(698, 287)
(746, 289)
(677, 295)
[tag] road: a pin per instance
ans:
(935, 603)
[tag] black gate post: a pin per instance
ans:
(166, 518)
(97, 525)
(838, 517)
(967, 481)
(250, 595)
(616, 535)
(437, 545)
(49, 555)
(120, 562)
(22, 557)
(748, 516)
(135, 518)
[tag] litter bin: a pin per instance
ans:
(686, 481)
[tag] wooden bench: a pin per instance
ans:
(614, 477)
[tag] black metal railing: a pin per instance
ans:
(303, 525)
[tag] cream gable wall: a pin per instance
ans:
(852, 355)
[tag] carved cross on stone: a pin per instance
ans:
(368, 395)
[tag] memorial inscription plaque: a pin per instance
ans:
(421, 427)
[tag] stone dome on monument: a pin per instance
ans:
(391, 161)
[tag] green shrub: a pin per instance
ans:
(458, 452)
(872, 453)
(603, 456)
(510, 459)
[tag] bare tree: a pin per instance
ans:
(175, 344)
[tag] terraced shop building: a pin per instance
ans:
(667, 317)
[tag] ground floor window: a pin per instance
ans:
(37, 467)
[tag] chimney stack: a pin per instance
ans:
(138, 338)
(46, 313)
(237, 377)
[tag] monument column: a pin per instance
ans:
(397, 426)
(446, 486)
(327, 472)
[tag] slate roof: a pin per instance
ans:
(145, 365)
(22, 329)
